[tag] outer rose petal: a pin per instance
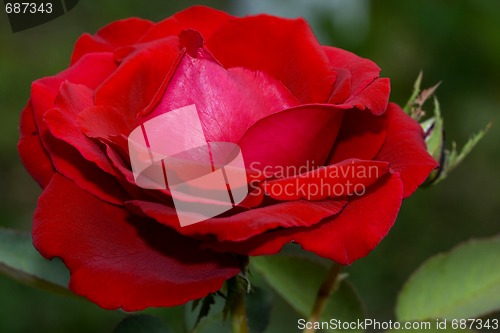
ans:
(62, 123)
(118, 260)
(33, 155)
(90, 71)
(247, 224)
(358, 84)
(43, 94)
(361, 71)
(200, 18)
(405, 149)
(140, 77)
(375, 97)
(285, 49)
(344, 238)
(117, 34)
(70, 163)
(66, 159)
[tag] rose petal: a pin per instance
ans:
(117, 260)
(351, 235)
(361, 136)
(361, 71)
(65, 158)
(104, 122)
(405, 149)
(358, 84)
(200, 18)
(374, 97)
(247, 224)
(140, 78)
(117, 34)
(228, 101)
(62, 123)
(33, 155)
(285, 138)
(122, 167)
(342, 88)
(285, 49)
(43, 95)
(45, 91)
(70, 163)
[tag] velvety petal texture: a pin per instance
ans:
(344, 238)
(117, 34)
(119, 260)
(205, 20)
(285, 49)
(228, 102)
(404, 148)
(249, 223)
(327, 158)
(361, 136)
(358, 83)
(34, 157)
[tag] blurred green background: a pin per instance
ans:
(457, 42)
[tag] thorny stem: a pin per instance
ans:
(324, 292)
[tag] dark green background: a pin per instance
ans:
(457, 42)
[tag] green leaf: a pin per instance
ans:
(416, 91)
(141, 324)
(20, 260)
(433, 128)
(464, 283)
(206, 304)
(259, 305)
(414, 106)
(213, 322)
(435, 137)
(452, 158)
(297, 280)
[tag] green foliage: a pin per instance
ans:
(141, 324)
(433, 127)
(464, 283)
(235, 287)
(19, 260)
(206, 304)
(211, 318)
(453, 158)
(435, 134)
(298, 278)
(211, 322)
(259, 303)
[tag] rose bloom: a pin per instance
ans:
(262, 82)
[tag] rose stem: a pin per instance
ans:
(239, 314)
(324, 292)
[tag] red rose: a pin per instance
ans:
(261, 82)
